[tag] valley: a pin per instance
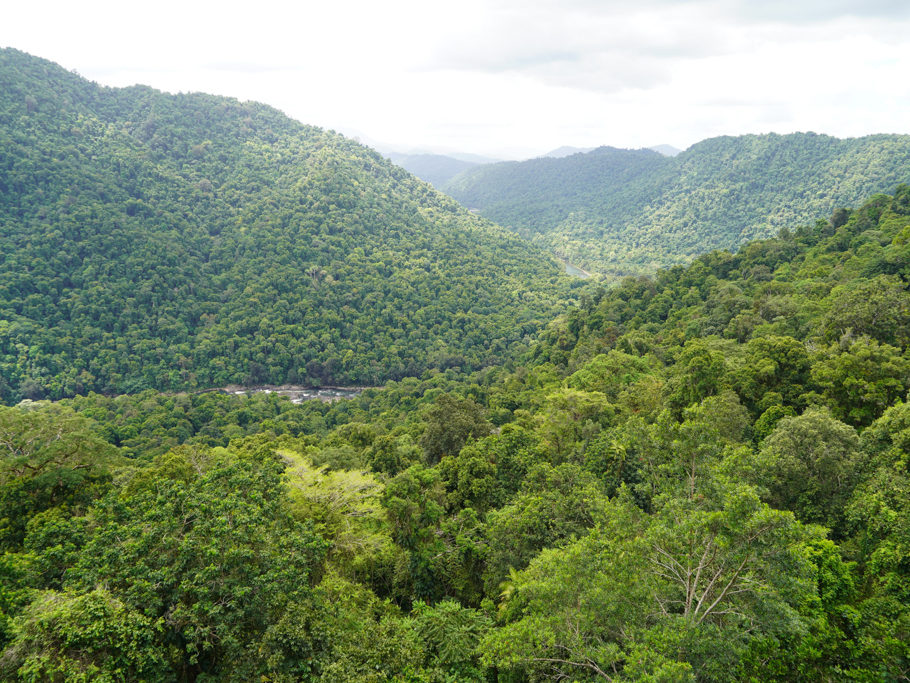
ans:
(678, 452)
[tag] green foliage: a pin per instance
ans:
(761, 406)
(879, 516)
(555, 504)
(414, 501)
(634, 499)
(449, 425)
(562, 616)
(201, 543)
(49, 457)
(609, 373)
(862, 380)
(487, 473)
(151, 423)
(810, 465)
(880, 508)
(773, 364)
(345, 507)
(40, 439)
(451, 634)
(641, 509)
(436, 169)
(570, 419)
(74, 638)
(692, 584)
(192, 241)
(768, 420)
(877, 308)
(343, 633)
(698, 373)
(621, 212)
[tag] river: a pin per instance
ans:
(574, 270)
(298, 394)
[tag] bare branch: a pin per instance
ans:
(723, 593)
(587, 664)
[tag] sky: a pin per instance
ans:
(505, 78)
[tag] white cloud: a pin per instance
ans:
(506, 77)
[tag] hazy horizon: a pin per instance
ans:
(505, 79)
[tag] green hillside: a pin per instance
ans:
(537, 195)
(180, 241)
(621, 212)
(700, 477)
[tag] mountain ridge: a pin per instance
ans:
(436, 169)
(719, 193)
(182, 241)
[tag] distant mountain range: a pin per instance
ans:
(566, 151)
(436, 169)
(439, 169)
(560, 152)
(666, 150)
(631, 211)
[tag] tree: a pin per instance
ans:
(570, 419)
(342, 633)
(49, 456)
(554, 504)
(810, 464)
(773, 364)
(201, 543)
(879, 519)
(679, 458)
(609, 373)
(415, 505)
(451, 634)
(879, 511)
(698, 374)
(862, 380)
(71, 637)
(684, 593)
(564, 616)
(877, 307)
(450, 422)
(41, 438)
(346, 508)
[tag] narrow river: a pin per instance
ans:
(574, 270)
(298, 394)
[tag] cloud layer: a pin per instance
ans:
(505, 77)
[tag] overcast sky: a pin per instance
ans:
(501, 77)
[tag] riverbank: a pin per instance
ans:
(297, 394)
(573, 270)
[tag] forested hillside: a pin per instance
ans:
(629, 212)
(697, 477)
(535, 196)
(178, 241)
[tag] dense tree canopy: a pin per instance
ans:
(696, 477)
(701, 476)
(158, 241)
(622, 212)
